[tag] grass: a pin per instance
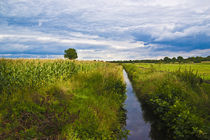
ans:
(61, 99)
(178, 98)
(203, 69)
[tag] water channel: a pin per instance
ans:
(139, 128)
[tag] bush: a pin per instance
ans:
(169, 104)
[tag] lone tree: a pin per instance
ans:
(70, 53)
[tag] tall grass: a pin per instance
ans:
(61, 99)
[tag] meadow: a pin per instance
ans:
(61, 99)
(202, 69)
(176, 95)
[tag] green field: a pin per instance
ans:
(176, 95)
(61, 99)
(203, 69)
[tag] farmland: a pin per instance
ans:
(203, 69)
(176, 95)
(61, 99)
(65, 99)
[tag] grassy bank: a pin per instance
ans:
(61, 99)
(179, 100)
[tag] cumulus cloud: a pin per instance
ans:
(116, 29)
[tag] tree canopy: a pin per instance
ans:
(180, 59)
(70, 53)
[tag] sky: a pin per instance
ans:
(105, 29)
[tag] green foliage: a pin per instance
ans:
(70, 53)
(167, 60)
(180, 59)
(168, 102)
(173, 59)
(61, 99)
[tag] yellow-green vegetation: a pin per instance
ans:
(179, 99)
(61, 99)
(203, 69)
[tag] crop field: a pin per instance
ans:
(177, 96)
(64, 99)
(61, 99)
(203, 69)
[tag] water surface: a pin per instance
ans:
(139, 129)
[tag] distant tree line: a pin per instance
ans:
(179, 59)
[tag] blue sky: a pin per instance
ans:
(105, 29)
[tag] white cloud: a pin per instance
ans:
(110, 23)
(76, 40)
